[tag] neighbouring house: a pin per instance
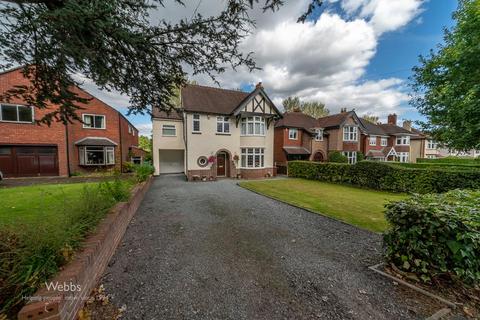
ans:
(301, 137)
(216, 133)
(435, 150)
(105, 139)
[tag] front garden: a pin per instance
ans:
(41, 227)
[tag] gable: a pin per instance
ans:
(257, 103)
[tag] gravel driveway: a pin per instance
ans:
(213, 250)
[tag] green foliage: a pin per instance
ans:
(435, 235)
(128, 167)
(145, 143)
(386, 176)
(360, 156)
(315, 109)
(452, 160)
(337, 157)
(33, 251)
(143, 171)
(371, 118)
(445, 84)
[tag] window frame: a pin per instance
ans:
(94, 115)
(383, 142)
(372, 139)
(245, 123)
(253, 152)
(194, 120)
(352, 135)
(403, 157)
(432, 144)
(404, 140)
(83, 151)
(169, 125)
(224, 122)
(17, 106)
(295, 134)
(351, 156)
(318, 134)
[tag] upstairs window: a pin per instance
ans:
(403, 140)
(292, 134)
(318, 134)
(372, 140)
(350, 133)
(93, 121)
(16, 113)
(431, 144)
(253, 126)
(169, 130)
(384, 142)
(196, 123)
(223, 125)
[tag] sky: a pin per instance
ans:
(356, 54)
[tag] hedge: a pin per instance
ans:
(436, 235)
(385, 176)
(452, 160)
(452, 166)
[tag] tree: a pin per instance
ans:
(314, 109)
(371, 118)
(145, 143)
(446, 86)
(114, 44)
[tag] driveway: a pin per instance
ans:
(213, 250)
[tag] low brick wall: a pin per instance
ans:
(79, 278)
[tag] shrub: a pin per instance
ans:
(452, 160)
(385, 176)
(435, 235)
(360, 156)
(142, 172)
(128, 167)
(337, 157)
(117, 189)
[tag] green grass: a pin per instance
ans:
(360, 207)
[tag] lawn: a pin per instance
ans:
(356, 206)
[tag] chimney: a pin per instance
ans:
(259, 85)
(392, 119)
(343, 110)
(407, 124)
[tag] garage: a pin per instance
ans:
(28, 161)
(171, 161)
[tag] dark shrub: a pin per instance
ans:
(435, 235)
(128, 167)
(337, 157)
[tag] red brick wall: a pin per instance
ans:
(278, 153)
(129, 139)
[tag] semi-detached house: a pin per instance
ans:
(216, 133)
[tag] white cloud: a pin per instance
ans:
(144, 129)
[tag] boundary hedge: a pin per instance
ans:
(384, 176)
(452, 161)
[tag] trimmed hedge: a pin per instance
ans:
(452, 160)
(384, 176)
(435, 235)
(440, 166)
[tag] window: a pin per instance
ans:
(16, 113)
(223, 125)
(351, 156)
(96, 156)
(431, 156)
(318, 134)
(350, 133)
(252, 158)
(293, 134)
(403, 140)
(196, 123)
(93, 121)
(431, 144)
(129, 129)
(169, 130)
(384, 142)
(137, 160)
(403, 156)
(373, 140)
(253, 126)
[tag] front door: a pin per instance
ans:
(221, 162)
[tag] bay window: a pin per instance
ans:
(402, 156)
(252, 126)
(252, 158)
(351, 156)
(96, 155)
(403, 140)
(223, 125)
(16, 113)
(350, 133)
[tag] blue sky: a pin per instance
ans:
(376, 82)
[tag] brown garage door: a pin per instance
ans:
(28, 161)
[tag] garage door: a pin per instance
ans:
(171, 161)
(28, 161)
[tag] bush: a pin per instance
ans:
(435, 235)
(452, 160)
(142, 172)
(128, 167)
(337, 157)
(385, 176)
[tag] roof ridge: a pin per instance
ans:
(215, 88)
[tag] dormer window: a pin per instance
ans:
(93, 121)
(350, 133)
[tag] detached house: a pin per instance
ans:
(301, 137)
(104, 140)
(216, 133)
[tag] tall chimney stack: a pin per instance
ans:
(259, 85)
(392, 119)
(407, 124)
(343, 110)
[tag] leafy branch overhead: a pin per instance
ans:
(115, 44)
(315, 109)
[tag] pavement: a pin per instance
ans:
(213, 250)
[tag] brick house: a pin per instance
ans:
(216, 133)
(105, 140)
(301, 137)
